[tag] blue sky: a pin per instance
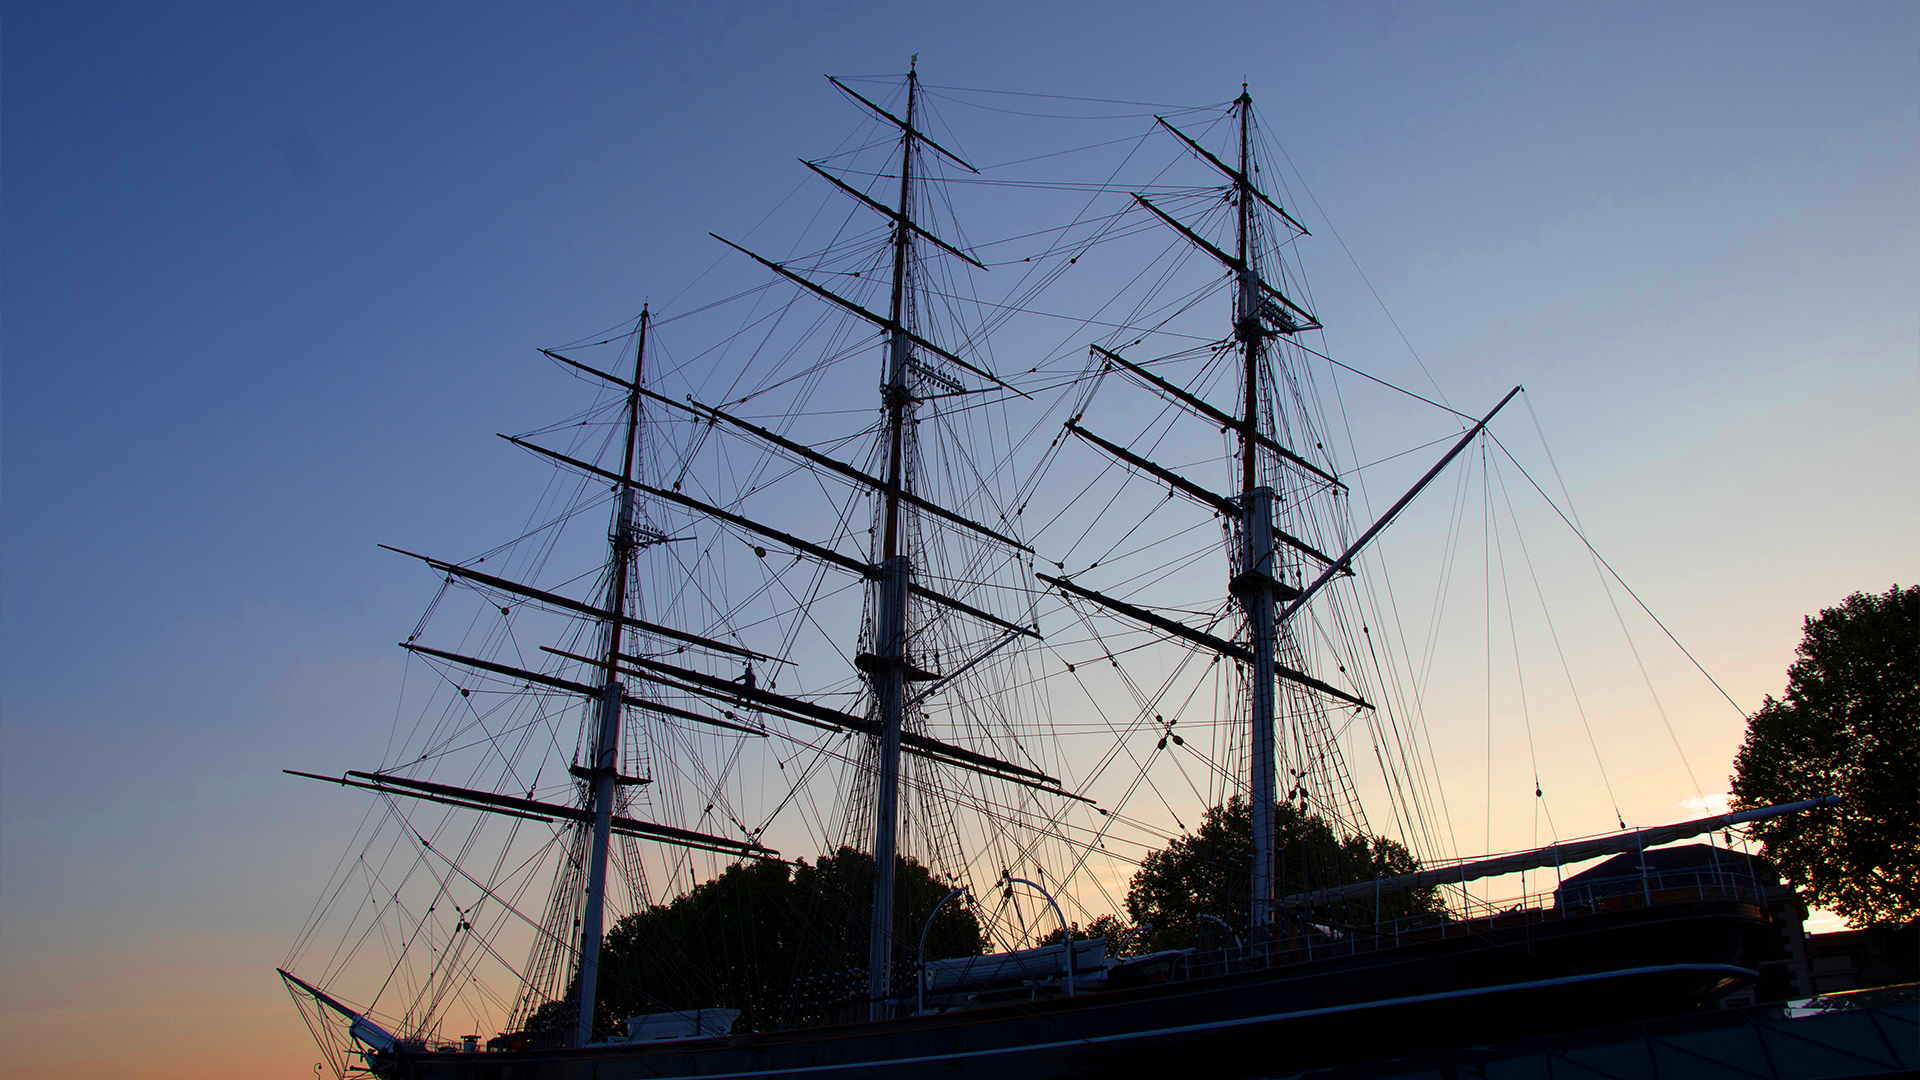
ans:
(273, 274)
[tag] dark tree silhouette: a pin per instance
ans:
(1849, 725)
(1209, 871)
(1108, 925)
(787, 946)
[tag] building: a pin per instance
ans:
(1859, 959)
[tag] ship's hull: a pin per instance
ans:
(1494, 982)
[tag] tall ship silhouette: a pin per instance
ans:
(929, 569)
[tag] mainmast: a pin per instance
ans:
(890, 611)
(886, 667)
(1254, 586)
(603, 773)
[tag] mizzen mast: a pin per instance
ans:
(604, 772)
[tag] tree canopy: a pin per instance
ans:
(1209, 871)
(1848, 725)
(786, 945)
(1108, 926)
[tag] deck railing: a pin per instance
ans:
(1307, 935)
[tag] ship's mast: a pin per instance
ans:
(603, 773)
(1260, 311)
(890, 613)
(1257, 579)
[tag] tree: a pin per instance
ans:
(1849, 725)
(787, 946)
(1107, 926)
(1209, 871)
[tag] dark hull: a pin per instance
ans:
(1497, 982)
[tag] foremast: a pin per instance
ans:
(603, 774)
(1261, 312)
(1254, 585)
(1260, 566)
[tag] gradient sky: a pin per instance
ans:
(273, 274)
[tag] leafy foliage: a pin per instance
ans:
(1849, 725)
(1108, 925)
(1209, 871)
(785, 945)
